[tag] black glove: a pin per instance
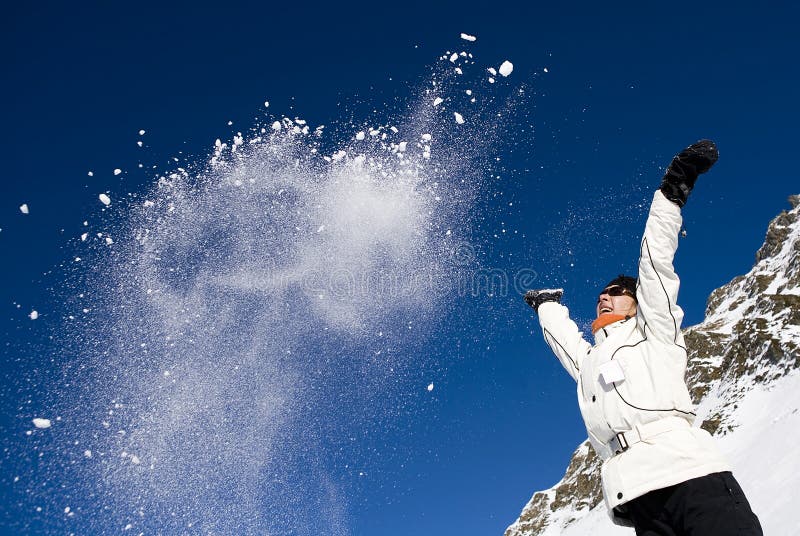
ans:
(535, 298)
(685, 167)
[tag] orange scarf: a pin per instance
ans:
(604, 320)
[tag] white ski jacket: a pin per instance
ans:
(631, 382)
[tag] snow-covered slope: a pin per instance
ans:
(743, 374)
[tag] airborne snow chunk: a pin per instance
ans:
(467, 37)
(437, 101)
(430, 387)
(506, 68)
(117, 171)
(141, 132)
(104, 199)
(454, 57)
(459, 118)
(360, 136)
(276, 125)
(34, 315)
(42, 423)
(24, 208)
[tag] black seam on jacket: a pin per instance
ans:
(574, 364)
(645, 244)
(644, 338)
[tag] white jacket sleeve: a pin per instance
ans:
(563, 337)
(658, 314)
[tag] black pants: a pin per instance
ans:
(712, 505)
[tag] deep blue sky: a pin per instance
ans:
(627, 86)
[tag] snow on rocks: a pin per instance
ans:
(467, 37)
(24, 208)
(42, 423)
(506, 68)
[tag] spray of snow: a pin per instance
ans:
(250, 296)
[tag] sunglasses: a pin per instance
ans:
(616, 290)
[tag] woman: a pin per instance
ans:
(660, 474)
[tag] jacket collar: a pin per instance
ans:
(603, 333)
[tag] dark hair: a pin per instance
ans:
(625, 281)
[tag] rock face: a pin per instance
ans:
(750, 336)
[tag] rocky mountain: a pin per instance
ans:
(748, 342)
